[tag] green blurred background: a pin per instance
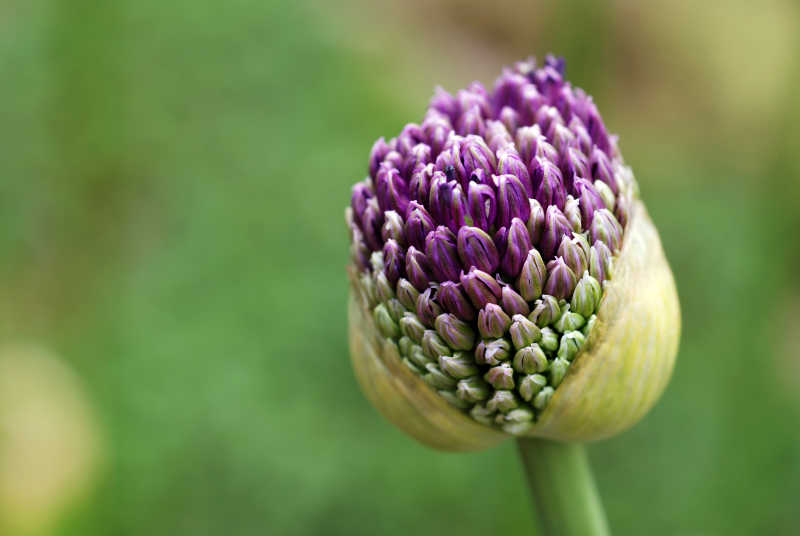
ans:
(171, 234)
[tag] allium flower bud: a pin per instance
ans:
(456, 333)
(453, 299)
(476, 249)
(513, 303)
(517, 246)
(480, 287)
(560, 279)
(586, 296)
(493, 322)
(532, 276)
(530, 359)
(523, 332)
(427, 307)
(479, 221)
(546, 311)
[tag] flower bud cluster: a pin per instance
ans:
(483, 237)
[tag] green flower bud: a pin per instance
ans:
(438, 379)
(571, 343)
(524, 332)
(558, 370)
(544, 396)
(411, 327)
(572, 211)
(384, 321)
(586, 296)
(517, 421)
(530, 385)
(493, 322)
(569, 321)
(501, 376)
(549, 340)
(455, 332)
(492, 352)
(396, 309)
(532, 276)
(407, 294)
(367, 291)
(503, 401)
(405, 344)
(453, 399)
(606, 193)
(459, 365)
(589, 325)
(473, 389)
(383, 289)
(418, 357)
(530, 359)
(433, 345)
(411, 366)
(480, 413)
(545, 311)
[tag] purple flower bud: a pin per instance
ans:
(481, 287)
(391, 190)
(509, 163)
(528, 140)
(597, 130)
(555, 226)
(512, 201)
(546, 178)
(476, 249)
(493, 322)
(599, 261)
(359, 252)
(393, 159)
(477, 155)
(601, 169)
(573, 255)
(393, 227)
(556, 62)
(445, 103)
(510, 118)
(440, 248)
(418, 268)
(497, 136)
(572, 211)
(513, 303)
(454, 301)
(456, 333)
(436, 128)
(420, 184)
(371, 223)
(449, 163)
(532, 100)
(441, 196)
(459, 210)
(427, 308)
(560, 136)
(474, 95)
(418, 157)
(470, 122)
(536, 222)
(418, 224)
(517, 246)
(560, 279)
(532, 276)
(581, 134)
(606, 228)
(410, 136)
(379, 151)
(393, 261)
(623, 210)
(546, 116)
(573, 164)
(508, 90)
(590, 200)
(482, 205)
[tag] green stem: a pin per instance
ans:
(563, 489)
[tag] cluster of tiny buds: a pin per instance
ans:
(483, 237)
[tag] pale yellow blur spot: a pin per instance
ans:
(48, 440)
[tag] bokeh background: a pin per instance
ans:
(172, 261)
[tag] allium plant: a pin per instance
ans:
(506, 279)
